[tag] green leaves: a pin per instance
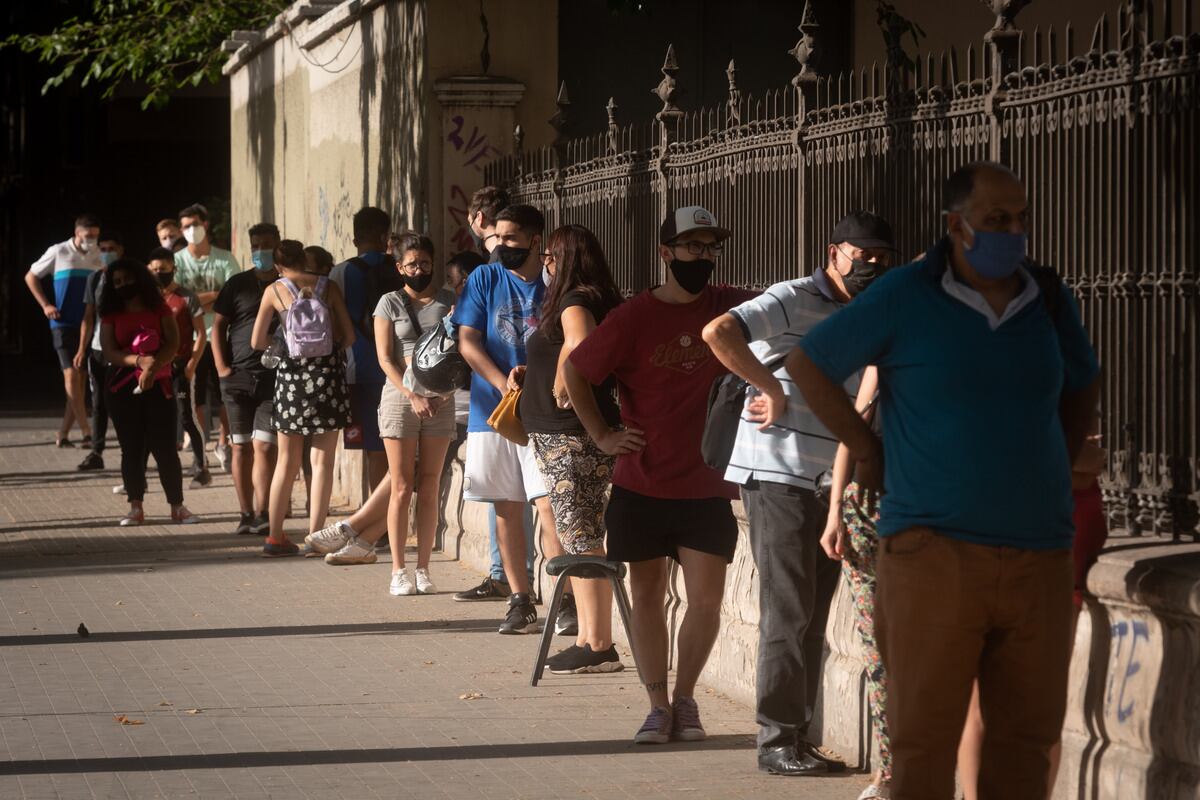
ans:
(162, 45)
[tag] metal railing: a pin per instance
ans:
(1106, 139)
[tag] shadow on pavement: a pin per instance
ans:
(98, 637)
(301, 758)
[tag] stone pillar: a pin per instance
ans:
(478, 116)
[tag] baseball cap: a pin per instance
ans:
(687, 219)
(863, 229)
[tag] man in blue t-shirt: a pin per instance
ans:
(496, 314)
(987, 386)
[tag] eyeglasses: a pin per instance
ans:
(418, 266)
(699, 248)
(546, 258)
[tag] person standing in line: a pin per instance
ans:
(778, 463)
(90, 357)
(247, 385)
(204, 268)
(576, 471)
(169, 234)
(69, 263)
(189, 321)
(666, 502)
(139, 339)
(310, 394)
(988, 385)
(317, 261)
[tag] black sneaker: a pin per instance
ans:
(567, 621)
(521, 616)
(200, 479)
(580, 660)
(244, 524)
(261, 525)
(91, 461)
(490, 589)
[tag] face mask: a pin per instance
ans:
(107, 257)
(87, 244)
(127, 292)
(995, 256)
(166, 278)
(546, 275)
(511, 257)
(194, 234)
(263, 260)
(692, 275)
(862, 274)
(419, 282)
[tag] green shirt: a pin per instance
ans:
(205, 274)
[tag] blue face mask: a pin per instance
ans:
(107, 257)
(995, 256)
(263, 260)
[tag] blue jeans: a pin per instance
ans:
(497, 571)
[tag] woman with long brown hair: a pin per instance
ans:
(581, 293)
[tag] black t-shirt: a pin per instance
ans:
(93, 291)
(238, 302)
(539, 412)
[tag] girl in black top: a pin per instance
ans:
(577, 473)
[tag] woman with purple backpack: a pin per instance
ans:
(311, 395)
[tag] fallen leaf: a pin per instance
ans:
(429, 663)
(124, 720)
(470, 696)
(22, 612)
(193, 711)
(120, 603)
(165, 703)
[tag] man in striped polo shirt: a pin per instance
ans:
(777, 463)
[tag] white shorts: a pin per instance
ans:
(498, 470)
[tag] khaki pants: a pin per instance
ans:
(948, 612)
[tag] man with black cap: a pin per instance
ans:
(666, 502)
(778, 459)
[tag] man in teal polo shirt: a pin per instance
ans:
(987, 385)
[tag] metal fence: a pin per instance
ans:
(1105, 137)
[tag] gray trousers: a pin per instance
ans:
(796, 586)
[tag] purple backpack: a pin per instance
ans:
(307, 323)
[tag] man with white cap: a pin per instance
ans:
(666, 502)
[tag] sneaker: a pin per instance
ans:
(567, 621)
(521, 616)
(181, 516)
(329, 539)
(136, 516)
(355, 551)
(244, 524)
(201, 479)
(657, 727)
(581, 660)
(687, 727)
(277, 549)
(424, 584)
(402, 584)
(224, 454)
(261, 524)
(90, 462)
(490, 589)
(119, 489)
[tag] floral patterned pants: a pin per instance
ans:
(577, 474)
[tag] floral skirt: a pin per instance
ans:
(311, 394)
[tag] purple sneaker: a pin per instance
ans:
(657, 727)
(687, 727)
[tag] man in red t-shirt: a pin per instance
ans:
(666, 502)
(189, 317)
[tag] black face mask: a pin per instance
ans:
(512, 258)
(692, 275)
(862, 274)
(127, 292)
(166, 278)
(418, 283)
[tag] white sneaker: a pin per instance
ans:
(402, 584)
(329, 539)
(119, 489)
(424, 584)
(355, 551)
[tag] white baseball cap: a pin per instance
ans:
(690, 218)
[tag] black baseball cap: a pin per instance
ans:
(864, 229)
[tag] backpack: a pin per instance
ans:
(436, 362)
(377, 281)
(726, 400)
(307, 323)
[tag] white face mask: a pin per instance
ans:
(86, 244)
(194, 234)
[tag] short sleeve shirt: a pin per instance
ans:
(505, 309)
(973, 444)
(70, 269)
(363, 362)
(664, 371)
(185, 305)
(206, 274)
(127, 324)
(238, 302)
(404, 336)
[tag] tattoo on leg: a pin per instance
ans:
(654, 686)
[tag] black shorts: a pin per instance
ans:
(641, 528)
(207, 387)
(66, 345)
(249, 399)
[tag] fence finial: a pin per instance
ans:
(1004, 37)
(670, 114)
(611, 108)
(559, 120)
(806, 48)
(735, 96)
(519, 149)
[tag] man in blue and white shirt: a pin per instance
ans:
(777, 463)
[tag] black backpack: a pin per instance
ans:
(726, 399)
(378, 281)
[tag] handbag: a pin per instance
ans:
(726, 399)
(506, 419)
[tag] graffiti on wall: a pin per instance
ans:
(1125, 637)
(473, 151)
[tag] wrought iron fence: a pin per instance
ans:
(1105, 138)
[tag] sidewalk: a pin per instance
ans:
(252, 678)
